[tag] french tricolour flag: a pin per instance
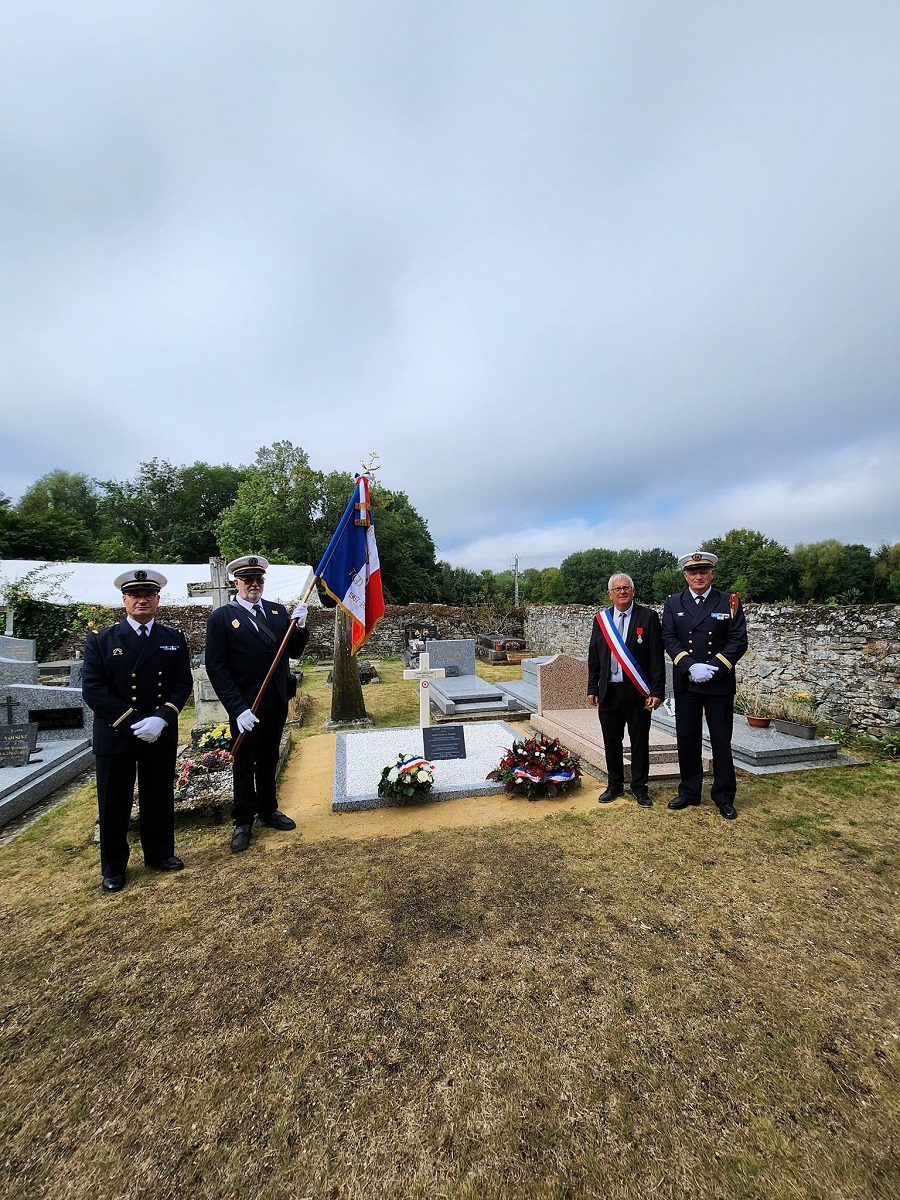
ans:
(350, 571)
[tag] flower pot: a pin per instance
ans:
(758, 722)
(795, 729)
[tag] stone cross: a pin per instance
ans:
(218, 588)
(10, 620)
(423, 673)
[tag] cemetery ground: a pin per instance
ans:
(598, 1001)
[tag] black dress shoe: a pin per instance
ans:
(728, 811)
(679, 802)
(643, 799)
(610, 794)
(278, 820)
(113, 883)
(166, 864)
(240, 839)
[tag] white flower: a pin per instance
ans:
(422, 777)
(393, 775)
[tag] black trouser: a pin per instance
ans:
(153, 766)
(255, 766)
(689, 710)
(623, 706)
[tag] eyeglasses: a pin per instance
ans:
(622, 589)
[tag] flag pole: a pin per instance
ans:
(277, 659)
(323, 563)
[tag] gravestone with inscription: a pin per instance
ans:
(45, 731)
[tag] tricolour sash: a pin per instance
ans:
(617, 647)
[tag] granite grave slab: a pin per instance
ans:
(360, 757)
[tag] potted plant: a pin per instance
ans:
(795, 714)
(757, 709)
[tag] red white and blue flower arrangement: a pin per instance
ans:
(538, 767)
(406, 779)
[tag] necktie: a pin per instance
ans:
(699, 601)
(616, 674)
(143, 631)
(258, 614)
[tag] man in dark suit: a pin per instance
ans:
(625, 657)
(242, 640)
(137, 677)
(705, 633)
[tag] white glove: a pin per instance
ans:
(246, 720)
(702, 672)
(149, 729)
(299, 615)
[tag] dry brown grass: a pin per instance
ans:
(657, 1005)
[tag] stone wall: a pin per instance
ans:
(386, 640)
(847, 658)
(388, 636)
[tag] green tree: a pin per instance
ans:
(749, 562)
(167, 513)
(55, 536)
(666, 582)
(645, 567)
(277, 508)
(585, 575)
(288, 511)
(887, 572)
(459, 586)
(832, 572)
(63, 492)
(405, 549)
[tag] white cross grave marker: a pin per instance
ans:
(423, 673)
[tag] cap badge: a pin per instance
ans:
(140, 575)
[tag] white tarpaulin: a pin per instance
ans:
(92, 583)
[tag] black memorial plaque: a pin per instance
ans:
(57, 718)
(17, 743)
(444, 741)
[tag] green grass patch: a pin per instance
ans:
(618, 1004)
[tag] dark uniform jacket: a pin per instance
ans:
(647, 653)
(238, 657)
(708, 634)
(127, 678)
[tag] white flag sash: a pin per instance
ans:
(623, 655)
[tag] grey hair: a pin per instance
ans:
(619, 575)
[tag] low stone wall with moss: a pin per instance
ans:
(847, 658)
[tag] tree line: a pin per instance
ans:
(282, 507)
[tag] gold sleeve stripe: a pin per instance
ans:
(722, 658)
(174, 707)
(115, 724)
(679, 657)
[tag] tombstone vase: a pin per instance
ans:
(795, 728)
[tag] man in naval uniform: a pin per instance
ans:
(242, 639)
(705, 633)
(136, 679)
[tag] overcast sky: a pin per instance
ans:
(582, 272)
